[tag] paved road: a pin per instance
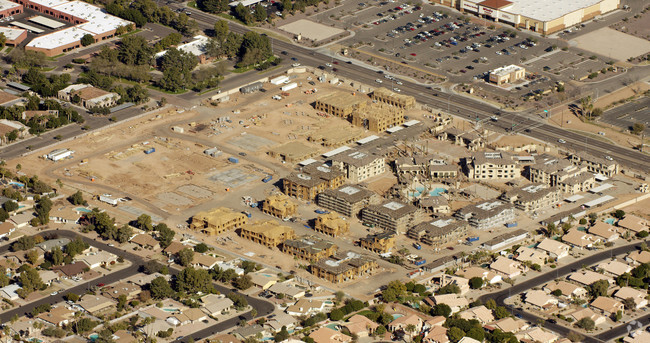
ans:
(501, 296)
(456, 104)
(262, 307)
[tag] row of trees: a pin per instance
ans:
(142, 12)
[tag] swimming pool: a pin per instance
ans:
(93, 337)
(609, 221)
(13, 183)
(397, 315)
(437, 191)
(83, 209)
(169, 309)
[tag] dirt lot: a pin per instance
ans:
(636, 26)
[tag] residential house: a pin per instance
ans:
(6, 229)
(507, 267)
(188, 316)
(502, 241)
(540, 300)
(214, 305)
(97, 305)
(327, 335)
(380, 242)
(480, 313)
(400, 323)
(587, 313)
(204, 261)
(461, 282)
(21, 220)
(275, 322)
(587, 277)
(633, 223)
(468, 340)
(225, 338)
(305, 307)
(604, 231)
(454, 301)
(360, 325)
(615, 268)
(331, 224)
(249, 331)
(526, 254)
(553, 248)
(145, 241)
(607, 305)
(263, 280)
(288, 289)
(471, 272)
(343, 266)
(637, 336)
(279, 206)
(123, 336)
(488, 214)
(217, 221)
(97, 259)
(72, 270)
(638, 257)
(568, 289)
(436, 334)
(638, 296)
(580, 239)
(57, 316)
(9, 292)
(537, 335)
(114, 291)
(509, 324)
(174, 248)
(48, 276)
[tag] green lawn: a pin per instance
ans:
(192, 4)
(166, 91)
(131, 33)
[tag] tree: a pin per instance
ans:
(165, 235)
(255, 48)
(239, 301)
(72, 297)
(3, 40)
(84, 325)
(260, 12)
(121, 302)
(491, 304)
(551, 230)
(23, 243)
(221, 30)
(282, 335)
(87, 39)
(4, 280)
(629, 303)
(43, 207)
(557, 292)
(75, 247)
(243, 282)
(105, 336)
(160, 288)
(339, 296)
(185, 257)
(32, 256)
(476, 333)
(455, 334)
(124, 232)
(476, 282)
(598, 288)
(336, 314)
(501, 312)
(144, 222)
(10, 206)
(30, 280)
(449, 289)
(77, 199)
(441, 310)
(242, 13)
(192, 280)
(586, 324)
(586, 106)
(201, 248)
(135, 50)
(638, 128)
(619, 214)
(642, 234)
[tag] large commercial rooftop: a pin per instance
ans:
(7, 5)
(546, 10)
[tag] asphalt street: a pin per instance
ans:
(626, 115)
(262, 307)
(501, 296)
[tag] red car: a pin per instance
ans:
(100, 285)
(413, 54)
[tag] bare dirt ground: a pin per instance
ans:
(638, 25)
(311, 30)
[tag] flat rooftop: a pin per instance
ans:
(546, 10)
(11, 33)
(7, 5)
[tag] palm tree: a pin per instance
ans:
(586, 106)
(411, 328)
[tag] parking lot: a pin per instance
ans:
(463, 48)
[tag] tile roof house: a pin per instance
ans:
(204, 261)
(122, 288)
(436, 334)
(305, 307)
(615, 268)
(567, 289)
(638, 257)
(487, 275)
(360, 325)
(174, 247)
(580, 239)
(588, 313)
(289, 289)
(9, 292)
(638, 336)
(509, 324)
(145, 241)
(526, 254)
(638, 296)
(461, 282)
(215, 305)
(507, 267)
(606, 232)
(275, 322)
(96, 304)
(468, 340)
(57, 316)
(400, 323)
(6, 229)
(537, 335)
(607, 306)
(633, 223)
(553, 248)
(455, 302)
(540, 299)
(327, 335)
(48, 276)
(480, 313)
(71, 270)
(587, 277)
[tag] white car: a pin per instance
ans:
(295, 65)
(379, 81)
(328, 65)
(397, 89)
(609, 158)
(562, 141)
(54, 293)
